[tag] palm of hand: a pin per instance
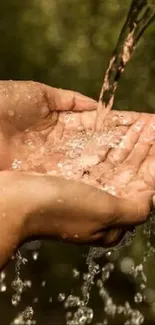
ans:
(121, 160)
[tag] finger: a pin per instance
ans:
(67, 100)
(128, 142)
(112, 141)
(152, 151)
(86, 120)
(142, 148)
(147, 169)
(123, 117)
(138, 155)
(114, 119)
(107, 239)
(149, 162)
(148, 134)
(113, 236)
(136, 209)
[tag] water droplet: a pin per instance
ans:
(109, 189)
(2, 288)
(138, 125)
(15, 299)
(86, 277)
(60, 201)
(142, 286)
(28, 313)
(99, 283)
(109, 267)
(28, 142)
(138, 298)
(11, 113)
(127, 309)
(68, 315)
(43, 283)
(61, 297)
(105, 275)
(105, 322)
(2, 275)
(76, 274)
(28, 283)
(50, 299)
(108, 254)
(72, 301)
(103, 293)
(120, 309)
(110, 308)
(16, 164)
(126, 265)
(18, 285)
(35, 255)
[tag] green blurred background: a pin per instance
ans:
(67, 44)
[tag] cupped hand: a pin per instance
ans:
(120, 161)
(50, 131)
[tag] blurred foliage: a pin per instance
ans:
(67, 44)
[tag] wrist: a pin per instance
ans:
(23, 198)
(12, 217)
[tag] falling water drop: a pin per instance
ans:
(3, 288)
(15, 299)
(61, 297)
(76, 274)
(35, 255)
(138, 298)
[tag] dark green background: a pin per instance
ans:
(67, 43)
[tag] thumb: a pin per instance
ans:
(67, 100)
(136, 210)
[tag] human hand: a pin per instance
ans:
(54, 136)
(40, 134)
(119, 161)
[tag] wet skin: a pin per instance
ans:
(56, 174)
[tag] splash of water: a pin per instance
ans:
(18, 285)
(26, 317)
(96, 276)
(2, 282)
(84, 314)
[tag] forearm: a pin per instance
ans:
(60, 208)
(44, 202)
(39, 205)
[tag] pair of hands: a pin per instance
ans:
(47, 146)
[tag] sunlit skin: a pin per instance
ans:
(51, 185)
